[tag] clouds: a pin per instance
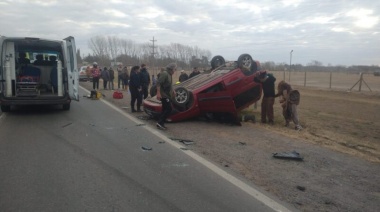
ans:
(333, 32)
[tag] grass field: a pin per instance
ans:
(344, 121)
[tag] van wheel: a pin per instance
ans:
(66, 107)
(5, 108)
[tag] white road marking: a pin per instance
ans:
(238, 183)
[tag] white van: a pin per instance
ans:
(35, 71)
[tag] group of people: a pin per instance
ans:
(184, 76)
(289, 99)
(138, 86)
(108, 76)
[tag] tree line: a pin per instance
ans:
(107, 50)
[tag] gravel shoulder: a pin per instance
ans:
(328, 179)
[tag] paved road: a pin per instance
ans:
(91, 159)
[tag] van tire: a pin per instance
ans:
(5, 108)
(66, 107)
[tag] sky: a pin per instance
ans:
(333, 32)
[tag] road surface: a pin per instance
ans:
(98, 158)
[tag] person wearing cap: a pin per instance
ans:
(194, 73)
(95, 73)
(165, 93)
(183, 76)
(267, 82)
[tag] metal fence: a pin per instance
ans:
(331, 80)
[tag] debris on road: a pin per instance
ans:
(242, 143)
(67, 125)
(146, 148)
(288, 155)
(301, 188)
(161, 142)
(144, 117)
(184, 141)
(184, 149)
(139, 125)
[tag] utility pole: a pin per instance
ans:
(290, 63)
(153, 53)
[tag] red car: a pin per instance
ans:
(227, 89)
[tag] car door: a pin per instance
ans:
(72, 68)
(216, 99)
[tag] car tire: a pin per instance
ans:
(246, 63)
(182, 96)
(217, 61)
(66, 107)
(5, 108)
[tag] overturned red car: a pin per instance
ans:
(225, 90)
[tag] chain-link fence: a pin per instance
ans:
(332, 80)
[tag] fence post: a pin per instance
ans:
(284, 73)
(304, 81)
(330, 79)
(360, 81)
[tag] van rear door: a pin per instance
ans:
(72, 68)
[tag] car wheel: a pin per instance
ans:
(66, 107)
(217, 61)
(182, 96)
(245, 62)
(5, 108)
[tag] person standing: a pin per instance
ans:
(119, 76)
(289, 100)
(125, 77)
(145, 81)
(194, 73)
(165, 93)
(95, 73)
(183, 76)
(88, 73)
(106, 77)
(267, 81)
(112, 77)
(135, 89)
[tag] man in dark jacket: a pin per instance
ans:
(106, 77)
(183, 76)
(135, 89)
(145, 81)
(267, 82)
(112, 77)
(194, 73)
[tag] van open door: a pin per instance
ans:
(72, 68)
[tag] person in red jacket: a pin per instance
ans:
(95, 73)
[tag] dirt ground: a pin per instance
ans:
(340, 145)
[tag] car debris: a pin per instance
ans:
(146, 148)
(288, 155)
(144, 117)
(67, 125)
(242, 143)
(184, 141)
(139, 125)
(301, 188)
